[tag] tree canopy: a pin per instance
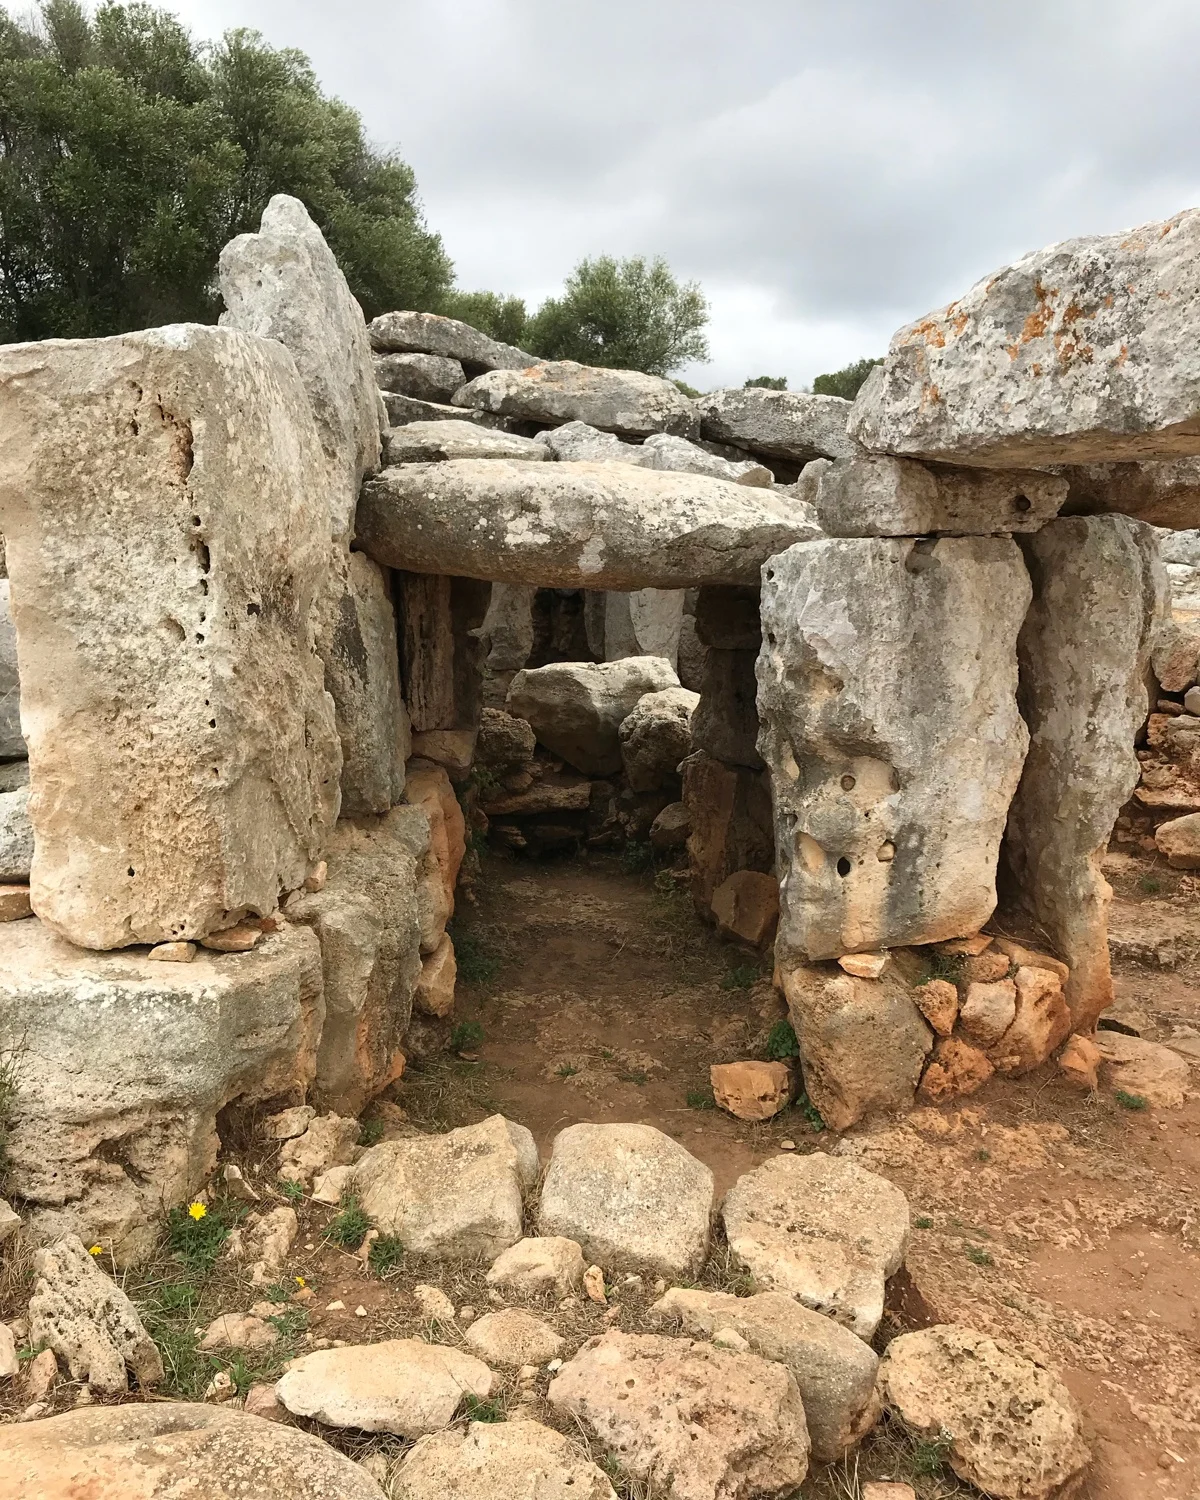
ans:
(845, 382)
(129, 154)
(766, 383)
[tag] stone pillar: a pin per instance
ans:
(1098, 589)
(644, 623)
(888, 699)
(507, 637)
(427, 650)
(165, 545)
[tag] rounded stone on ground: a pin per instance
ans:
(173, 953)
(433, 1303)
(752, 1090)
(539, 1264)
(1145, 1070)
(496, 1461)
(512, 1337)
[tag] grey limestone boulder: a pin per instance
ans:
(888, 700)
(655, 736)
(429, 333)
(16, 835)
(1084, 352)
(12, 745)
(661, 450)
(576, 708)
(428, 377)
(401, 410)
(630, 1196)
(621, 401)
(879, 496)
(496, 1461)
(577, 442)
(782, 424)
(434, 442)
(572, 525)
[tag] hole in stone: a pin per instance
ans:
(131, 870)
(843, 866)
(171, 626)
(1022, 503)
(254, 609)
(848, 783)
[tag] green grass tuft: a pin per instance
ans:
(385, 1254)
(781, 1042)
(741, 977)
(700, 1099)
(1130, 1101)
(370, 1132)
(810, 1112)
(291, 1189)
(198, 1242)
(476, 963)
(922, 1221)
(977, 1256)
(466, 1035)
(476, 1410)
(349, 1227)
(636, 858)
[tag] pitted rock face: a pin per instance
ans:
(888, 700)
(879, 496)
(430, 333)
(621, 401)
(785, 424)
(499, 1460)
(576, 709)
(1084, 352)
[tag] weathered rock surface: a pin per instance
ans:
(863, 1041)
(1178, 839)
(1041, 1023)
(1145, 1069)
(514, 1338)
(283, 283)
(330, 1141)
(880, 496)
(887, 693)
(822, 1230)
(436, 442)
(166, 1450)
(577, 442)
(239, 1331)
(367, 919)
(751, 1090)
(1079, 353)
(645, 622)
(452, 1195)
(404, 409)
(576, 709)
(956, 1069)
(630, 1196)
(571, 525)
(729, 809)
(12, 744)
(834, 1370)
(10, 1365)
(988, 1011)
(428, 333)
(622, 401)
(655, 736)
(428, 377)
(505, 743)
(434, 994)
(497, 1461)
(537, 1265)
(89, 1322)
(937, 1000)
(1084, 652)
(401, 1385)
(694, 1422)
(746, 907)
(1161, 494)
(784, 424)
(362, 674)
(663, 451)
(671, 828)
(1013, 1427)
(725, 723)
(428, 787)
(127, 1063)
(16, 835)
(191, 680)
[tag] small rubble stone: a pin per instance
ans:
(14, 903)
(512, 1337)
(329, 1187)
(1145, 1069)
(746, 907)
(884, 1489)
(173, 953)
(1013, 1428)
(536, 1265)
(240, 939)
(1026, 957)
(821, 1229)
(401, 1386)
(329, 1141)
(693, 1422)
(937, 1000)
(498, 1461)
(261, 1401)
(630, 1196)
(1042, 1022)
(10, 1220)
(985, 968)
(752, 1090)
(434, 1304)
(239, 1331)
(81, 1315)
(236, 1185)
(16, 835)
(593, 1285)
(864, 965)
(988, 1011)
(655, 736)
(834, 1370)
(1080, 1061)
(264, 1242)
(10, 1365)
(39, 1379)
(955, 1069)
(288, 1123)
(671, 828)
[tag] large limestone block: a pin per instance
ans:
(362, 674)
(403, 409)
(429, 333)
(630, 1196)
(572, 525)
(172, 1450)
(661, 450)
(821, 1229)
(367, 919)
(453, 1195)
(879, 496)
(428, 377)
(692, 1422)
(783, 424)
(729, 816)
(499, 1460)
(400, 1385)
(284, 283)
(655, 736)
(183, 753)
(725, 723)
(655, 618)
(1084, 352)
(834, 1370)
(430, 789)
(436, 441)
(577, 442)
(128, 1062)
(1084, 649)
(1012, 1426)
(16, 835)
(576, 709)
(622, 401)
(12, 745)
(863, 1041)
(888, 699)
(1166, 493)
(89, 1322)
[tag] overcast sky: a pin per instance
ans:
(827, 169)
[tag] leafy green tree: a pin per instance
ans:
(766, 383)
(845, 382)
(628, 314)
(503, 318)
(129, 155)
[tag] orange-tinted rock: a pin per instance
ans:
(1042, 1021)
(957, 1068)
(968, 946)
(937, 1000)
(746, 906)
(1080, 1061)
(988, 1011)
(864, 965)
(752, 1090)
(985, 968)
(434, 994)
(428, 787)
(1020, 954)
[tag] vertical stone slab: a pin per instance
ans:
(644, 623)
(427, 649)
(1098, 588)
(164, 544)
(507, 638)
(887, 692)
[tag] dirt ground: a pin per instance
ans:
(590, 991)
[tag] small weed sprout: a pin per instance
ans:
(929, 1456)
(370, 1132)
(567, 1070)
(1130, 1101)
(810, 1112)
(11, 1055)
(741, 977)
(637, 858)
(349, 1227)
(700, 1099)
(922, 1221)
(476, 1410)
(978, 1257)
(476, 965)
(1149, 885)
(386, 1254)
(465, 1035)
(291, 1188)
(781, 1042)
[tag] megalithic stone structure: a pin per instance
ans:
(164, 559)
(1098, 587)
(888, 699)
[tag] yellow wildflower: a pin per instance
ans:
(197, 1210)
(300, 1281)
(96, 1250)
